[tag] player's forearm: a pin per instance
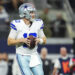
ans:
(13, 41)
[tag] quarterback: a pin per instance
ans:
(28, 25)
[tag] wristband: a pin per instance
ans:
(41, 41)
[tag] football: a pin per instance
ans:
(33, 42)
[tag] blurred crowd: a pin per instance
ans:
(56, 27)
(52, 28)
(64, 65)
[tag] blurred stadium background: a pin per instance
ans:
(59, 32)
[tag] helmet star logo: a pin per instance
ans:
(25, 6)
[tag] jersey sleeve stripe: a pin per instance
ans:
(13, 28)
(12, 25)
(41, 27)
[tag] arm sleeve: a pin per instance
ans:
(13, 31)
(41, 32)
(12, 34)
(41, 24)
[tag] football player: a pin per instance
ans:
(28, 59)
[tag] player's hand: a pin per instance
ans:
(26, 41)
(37, 40)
